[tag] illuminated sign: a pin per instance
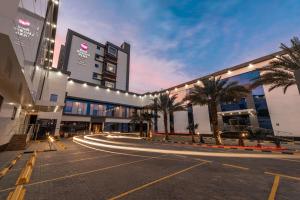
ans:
(24, 22)
(83, 53)
(23, 29)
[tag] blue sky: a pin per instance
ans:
(176, 41)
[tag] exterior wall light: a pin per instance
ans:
(126, 93)
(229, 72)
(107, 89)
(118, 92)
(250, 66)
(84, 85)
(97, 87)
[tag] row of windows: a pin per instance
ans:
(96, 109)
(111, 50)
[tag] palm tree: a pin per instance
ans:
(281, 71)
(192, 127)
(138, 119)
(166, 104)
(214, 91)
(148, 116)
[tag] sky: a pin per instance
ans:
(173, 41)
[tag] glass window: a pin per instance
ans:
(97, 109)
(109, 112)
(14, 113)
(53, 97)
(97, 76)
(68, 107)
(111, 68)
(98, 47)
(109, 84)
(112, 51)
(75, 107)
(1, 101)
(97, 65)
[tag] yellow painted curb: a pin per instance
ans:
(17, 194)
(25, 175)
(3, 171)
(27, 171)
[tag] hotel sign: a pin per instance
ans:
(83, 53)
(23, 28)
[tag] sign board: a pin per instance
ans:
(83, 53)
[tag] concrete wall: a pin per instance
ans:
(55, 83)
(284, 111)
(121, 71)
(8, 126)
(83, 68)
(180, 122)
(201, 117)
(90, 92)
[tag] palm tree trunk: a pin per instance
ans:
(166, 125)
(193, 138)
(141, 128)
(215, 124)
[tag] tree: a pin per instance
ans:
(214, 91)
(148, 116)
(138, 119)
(192, 127)
(280, 72)
(166, 104)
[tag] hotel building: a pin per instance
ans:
(89, 91)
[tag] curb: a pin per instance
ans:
(25, 174)
(5, 170)
(17, 194)
(224, 147)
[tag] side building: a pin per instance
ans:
(264, 109)
(27, 99)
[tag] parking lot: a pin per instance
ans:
(91, 172)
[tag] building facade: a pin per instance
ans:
(27, 42)
(97, 96)
(89, 91)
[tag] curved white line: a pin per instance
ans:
(191, 153)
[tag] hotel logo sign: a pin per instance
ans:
(23, 28)
(83, 53)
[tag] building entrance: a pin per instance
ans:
(96, 128)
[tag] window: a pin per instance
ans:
(14, 113)
(97, 65)
(112, 51)
(53, 97)
(98, 57)
(1, 101)
(97, 76)
(98, 47)
(111, 68)
(75, 107)
(97, 109)
(109, 84)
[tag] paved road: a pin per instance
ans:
(94, 172)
